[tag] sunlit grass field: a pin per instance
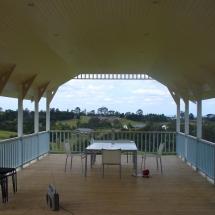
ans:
(6, 134)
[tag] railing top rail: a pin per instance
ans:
(195, 138)
(24, 136)
(207, 142)
(109, 131)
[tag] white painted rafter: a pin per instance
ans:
(194, 87)
(175, 95)
(5, 77)
(50, 94)
(209, 78)
(41, 90)
(26, 86)
(184, 92)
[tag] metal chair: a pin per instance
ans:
(93, 154)
(70, 154)
(157, 155)
(111, 157)
(7, 171)
(4, 188)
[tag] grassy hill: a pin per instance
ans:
(6, 134)
(85, 119)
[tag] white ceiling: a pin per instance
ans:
(172, 41)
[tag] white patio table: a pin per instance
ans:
(125, 146)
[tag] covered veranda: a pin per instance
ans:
(44, 44)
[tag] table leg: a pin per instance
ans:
(91, 159)
(85, 163)
(135, 161)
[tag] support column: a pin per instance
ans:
(196, 90)
(49, 97)
(36, 112)
(186, 117)
(176, 97)
(47, 112)
(186, 128)
(178, 113)
(199, 119)
(20, 112)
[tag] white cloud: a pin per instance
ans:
(117, 95)
(149, 91)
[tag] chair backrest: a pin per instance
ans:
(160, 150)
(91, 140)
(111, 156)
(67, 148)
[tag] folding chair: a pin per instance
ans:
(6, 171)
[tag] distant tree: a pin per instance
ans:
(105, 124)
(129, 125)
(116, 123)
(91, 113)
(94, 122)
(122, 115)
(77, 110)
(52, 110)
(83, 113)
(26, 113)
(103, 111)
(191, 116)
(117, 114)
(182, 114)
(139, 112)
(210, 117)
(111, 112)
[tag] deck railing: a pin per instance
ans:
(16, 152)
(145, 141)
(198, 152)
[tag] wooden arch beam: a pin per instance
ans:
(5, 77)
(26, 86)
(175, 95)
(194, 87)
(51, 94)
(41, 90)
(209, 77)
(183, 92)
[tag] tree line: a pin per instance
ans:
(153, 122)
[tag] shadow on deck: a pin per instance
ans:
(179, 190)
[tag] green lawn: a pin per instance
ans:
(6, 134)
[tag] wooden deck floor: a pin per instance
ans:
(179, 190)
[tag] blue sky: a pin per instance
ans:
(118, 95)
